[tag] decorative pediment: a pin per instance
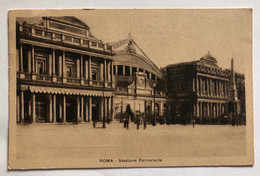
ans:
(127, 48)
(140, 84)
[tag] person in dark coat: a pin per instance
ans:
(127, 120)
(144, 122)
(193, 122)
(138, 120)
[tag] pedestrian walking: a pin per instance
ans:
(193, 122)
(137, 120)
(126, 120)
(144, 122)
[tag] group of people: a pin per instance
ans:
(139, 120)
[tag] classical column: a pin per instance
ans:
(123, 70)
(198, 109)
(90, 109)
(217, 88)
(105, 107)
(201, 109)
(33, 65)
(130, 68)
(33, 60)
(86, 109)
(101, 108)
(226, 89)
(17, 60)
(64, 67)
(18, 108)
(81, 70)
(86, 70)
(197, 84)
(201, 86)
(116, 69)
(78, 108)
(21, 58)
(112, 109)
(109, 71)
(29, 61)
(208, 86)
(217, 109)
(90, 71)
(109, 108)
(81, 67)
(211, 110)
(78, 68)
(53, 62)
(22, 106)
(64, 108)
(60, 111)
(82, 108)
(112, 74)
(101, 72)
(33, 107)
(60, 66)
(50, 107)
(50, 64)
(105, 72)
(54, 108)
(207, 109)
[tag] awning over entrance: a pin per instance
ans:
(54, 90)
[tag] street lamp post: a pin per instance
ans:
(154, 85)
(104, 122)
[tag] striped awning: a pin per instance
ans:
(67, 91)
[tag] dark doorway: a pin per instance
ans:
(129, 112)
(71, 109)
(95, 109)
(41, 105)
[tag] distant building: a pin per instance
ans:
(203, 91)
(136, 79)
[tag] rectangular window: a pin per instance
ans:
(40, 66)
(94, 76)
(69, 71)
(127, 71)
(153, 77)
(147, 73)
(120, 70)
(141, 70)
(114, 69)
(134, 70)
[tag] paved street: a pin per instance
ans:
(78, 142)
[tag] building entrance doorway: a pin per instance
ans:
(71, 109)
(95, 109)
(41, 108)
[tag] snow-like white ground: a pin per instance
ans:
(53, 143)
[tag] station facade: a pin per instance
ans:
(64, 73)
(202, 90)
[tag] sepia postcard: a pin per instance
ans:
(109, 88)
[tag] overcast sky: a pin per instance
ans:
(172, 36)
